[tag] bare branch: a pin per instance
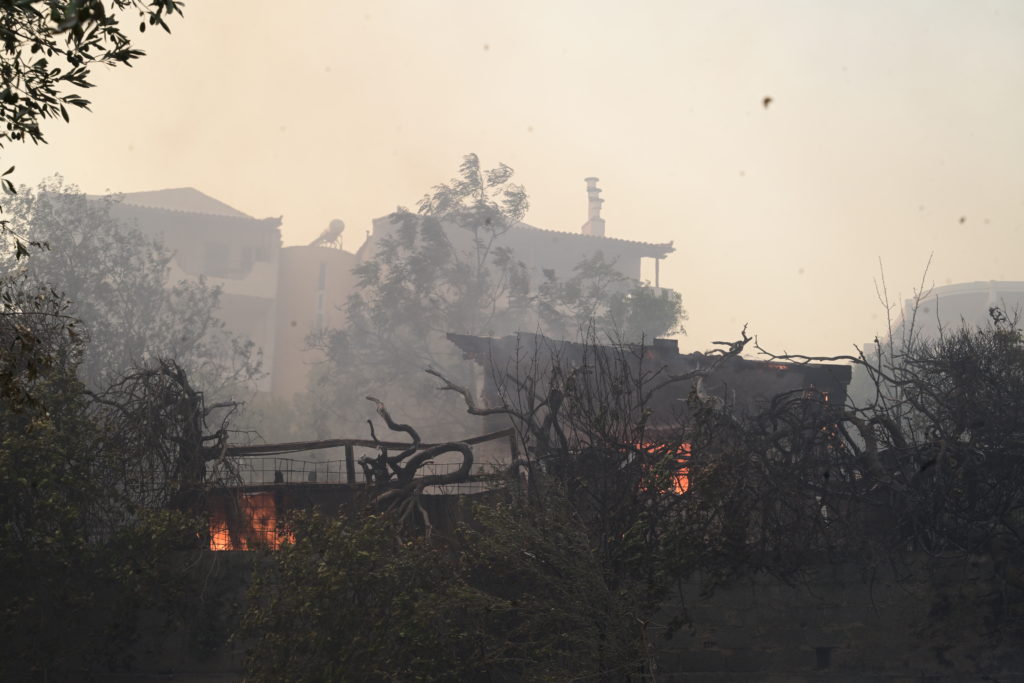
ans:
(471, 406)
(392, 425)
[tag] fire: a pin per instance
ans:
(681, 471)
(681, 475)
(257, 525)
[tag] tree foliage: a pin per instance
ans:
(515, 595)
(936, 448)
(552, 581)
(88, 533)
(390, 627)
(116, 281)
(101, 519)
(93, 532)
(598, 295)
(948, 438)
(38, 335)
(922, 481)
(48, 49)
(448, 268)
(565, 570)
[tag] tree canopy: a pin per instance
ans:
(115, 280)
(613, 512)
(99, 498)
(48, 49)
(448, 268)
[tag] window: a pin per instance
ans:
(318, 324)
(216, 259)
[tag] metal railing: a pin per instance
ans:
(261, 465)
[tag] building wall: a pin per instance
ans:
(313, 286)
(228, 247)
(238, 254)
(945, 308)
(562, 251)
(277, 296)
(968, 302)
(542, 249)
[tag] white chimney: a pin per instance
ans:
(595, 224)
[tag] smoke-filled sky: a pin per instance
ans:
(895, 131)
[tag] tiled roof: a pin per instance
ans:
(652, 249)
(184, 199)
(647, 249)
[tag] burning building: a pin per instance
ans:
(272, 480)
(737, 384)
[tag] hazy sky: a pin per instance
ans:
(896, 130)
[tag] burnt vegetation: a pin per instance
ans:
(634, 471)
(606, 511)
(627, 478)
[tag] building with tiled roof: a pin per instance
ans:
(183, 200)
(226, 247)
(555, 250)
(276, 296)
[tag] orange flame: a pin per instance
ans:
(258, 525)
(681, 472)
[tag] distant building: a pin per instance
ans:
(314, 283)
(542, 249)
(738, 385)
(232, 250)
(944, 308)
(951, 306)
(276, 296)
